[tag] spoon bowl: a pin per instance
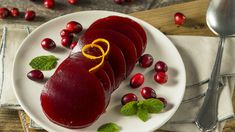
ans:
(220, 17)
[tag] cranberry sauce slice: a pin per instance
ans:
(109, 70)
(121, 41)
(123, 28)
(133, 24)
(73, 97)
(115, 58)
(100, 73)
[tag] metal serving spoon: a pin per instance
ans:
(220, 19)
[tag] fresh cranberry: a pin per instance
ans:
(73, 2)
(74, 27)
(160, 66)
(163, 100)
(73, 44)
(48, 44)
(137, 80)
(15, 12)
(119, 1)
(128, 98)
(146, 60)
(148, 92)
(66, 41)
(29, 15)
(179, 18)
(35, 75)
(4, 12)
(49, 3)
(65, 33)
(161, 77)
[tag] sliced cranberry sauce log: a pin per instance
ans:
(109, 70)
(133, 24)
(124, 28)
(125, 44)
(74, 97)
(100, 73)
(71, 100)
(118, 66)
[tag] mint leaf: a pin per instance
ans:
(142, 113)
(129, 108)
(153, 105)
(44, 62)
(109, 127)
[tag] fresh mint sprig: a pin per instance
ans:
(142, 108)
(130, 108)
(109, 127)
(43, 62)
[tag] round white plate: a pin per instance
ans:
(159, 46)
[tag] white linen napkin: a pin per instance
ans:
(11, 39)
(198, 54)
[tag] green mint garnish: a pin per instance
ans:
(109, 127)
(129, 108)
(44, 62)
(153, 105)
(142, 108)
(142, 113)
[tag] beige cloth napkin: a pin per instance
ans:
(198, 54)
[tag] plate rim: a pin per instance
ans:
(91, 11)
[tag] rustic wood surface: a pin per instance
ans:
(161, 18)
(62, 7)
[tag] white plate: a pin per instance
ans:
(28, 92)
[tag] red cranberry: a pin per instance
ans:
(179, 18)
(163, 100)
(15, 12)
(49, 3)
(35, 75)
(119, 1)
(4, 12)
(73, 2)
(73, 44)
(29, 15)
(74, 27)
(161, 77)
(146, 60)
(128, 98)
(137, 80)
(66, 41)
(160, 66)
(148, 92)
(65, 33)
(48, 44)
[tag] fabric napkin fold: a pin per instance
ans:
(198, 54)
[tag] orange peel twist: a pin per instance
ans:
(104, 53)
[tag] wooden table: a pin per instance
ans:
(62, 7)
(161, 18)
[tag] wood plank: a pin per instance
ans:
(62, 7)
(162, 18)
(9, 121)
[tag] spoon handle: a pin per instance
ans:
(206, 119)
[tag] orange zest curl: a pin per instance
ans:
(94, 44)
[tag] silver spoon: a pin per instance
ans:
(220, 19)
